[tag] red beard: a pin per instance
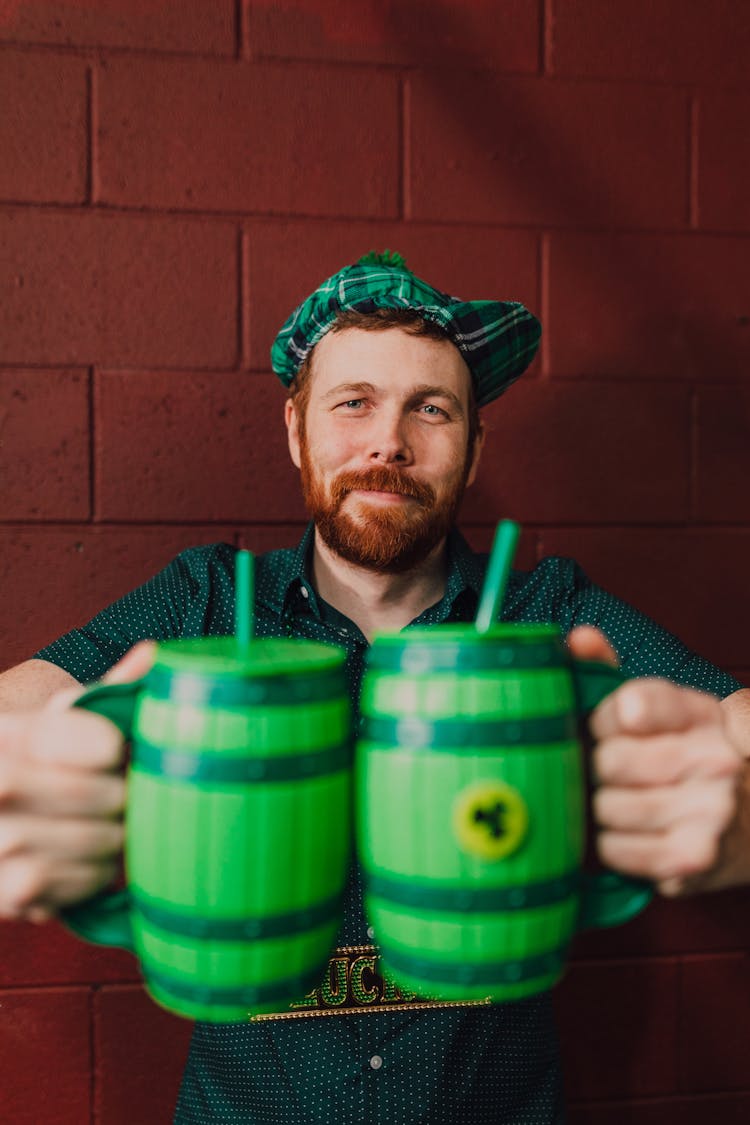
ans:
(390, 539)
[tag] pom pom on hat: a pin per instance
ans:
(386, 257)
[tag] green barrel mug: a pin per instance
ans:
(237, 823)
(470, 805)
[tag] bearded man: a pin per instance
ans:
(386, 378)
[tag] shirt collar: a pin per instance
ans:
(465, 568)
(292, 575)
(286, 573)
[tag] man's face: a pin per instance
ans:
(383, 448)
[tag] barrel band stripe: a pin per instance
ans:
(206, 765)
(244, 996)
(424, 896)
(468, 734)
(251, 928)
(487, 974)
(443, 656)
(215, 691)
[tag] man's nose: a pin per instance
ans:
(389, 442)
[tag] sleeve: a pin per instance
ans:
(644, 648)
(154, 611)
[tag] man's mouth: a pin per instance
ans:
(381, 488)
(382, 496)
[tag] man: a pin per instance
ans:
(386, 377)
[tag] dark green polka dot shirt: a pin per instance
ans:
(458, 1065)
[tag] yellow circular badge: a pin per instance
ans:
(490, 819)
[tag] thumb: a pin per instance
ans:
(587, 643)
(135, 663)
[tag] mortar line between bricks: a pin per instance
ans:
(111, 211)
(96, 52)
(73, 368)
(90, 134)
(104, 525)
(623, 960)
(104, 51)
(92, 444)
(543, 271)
(469, 67)
(701, 957)
(92, 1058)
(241, 45)
(144, 368)
(176, 214)
(693, 165)
(677, 1037)
(662, 525)
(404, 141)
(608, 525)
(659, 1099)
(643, 380)
(243, 301)
(692, 481)
(561, 378)
(638, 383)
(53, 526)
(546, 20)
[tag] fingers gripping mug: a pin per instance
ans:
(470, 802)
(237, 823)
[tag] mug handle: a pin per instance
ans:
(607, 899)
(105, 918)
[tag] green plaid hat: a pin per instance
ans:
(498, 339)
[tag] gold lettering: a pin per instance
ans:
(333, 991)
(309, 1000)
(364, 994)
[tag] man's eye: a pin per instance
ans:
(432, 410)
(353, 403)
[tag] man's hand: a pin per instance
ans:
(670, 790)
(61, 800)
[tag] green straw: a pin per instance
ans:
(496, 578)
(244, 599)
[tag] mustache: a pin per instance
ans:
(382, 480)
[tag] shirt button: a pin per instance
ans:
(376, 1062)
(305, 592)
(370, 933)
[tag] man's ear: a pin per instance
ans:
(292, 430)
(476, 454)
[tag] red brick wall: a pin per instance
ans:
(174, 176)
